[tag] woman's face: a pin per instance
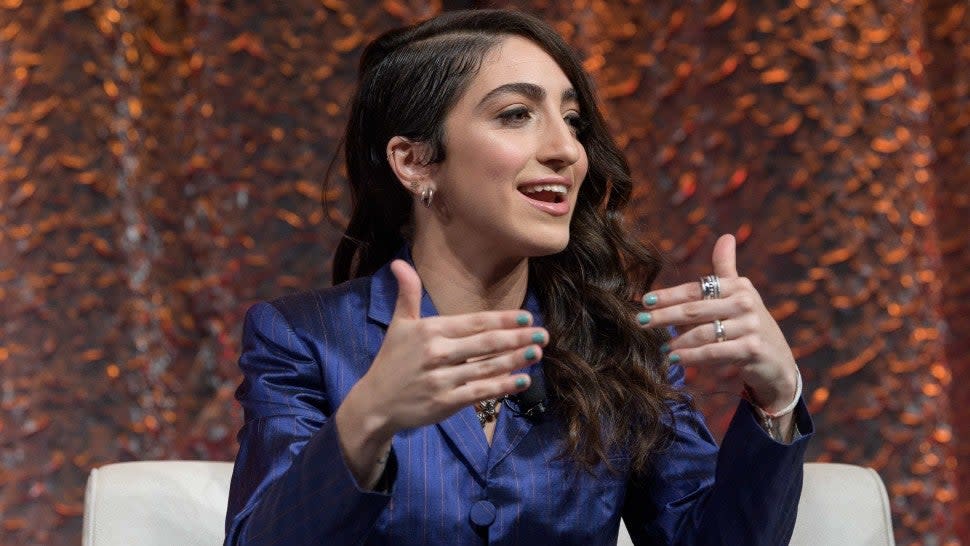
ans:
(513, 164)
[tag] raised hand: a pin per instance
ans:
(429, 368)
(751, 340)
(422, 372)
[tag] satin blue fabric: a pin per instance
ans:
(291, 485)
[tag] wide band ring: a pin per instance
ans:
(719, 333)
(710, 287)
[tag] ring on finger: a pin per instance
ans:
(719, 333)
(710, 287)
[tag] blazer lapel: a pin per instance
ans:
(462, 429)
(512, 427)
(465, 433)
(509, 431)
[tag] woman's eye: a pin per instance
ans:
(516, 115)
(576, 123)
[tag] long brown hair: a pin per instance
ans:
(605, 375)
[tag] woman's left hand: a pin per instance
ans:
(752, 340)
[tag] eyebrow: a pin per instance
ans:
(530, 91)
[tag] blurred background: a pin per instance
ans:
(162, 167)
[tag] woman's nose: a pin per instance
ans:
(559, 147)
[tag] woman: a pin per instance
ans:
(485, 252)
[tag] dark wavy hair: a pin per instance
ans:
(605, 375)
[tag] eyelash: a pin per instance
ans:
(514, 115)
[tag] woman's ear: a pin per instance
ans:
(409, 161)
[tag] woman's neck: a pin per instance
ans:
(469, 281)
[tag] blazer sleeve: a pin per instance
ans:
(746, 492)
(290, 483)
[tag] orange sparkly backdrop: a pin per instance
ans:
(161, 165)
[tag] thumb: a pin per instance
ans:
(408, 303)
(724, 257)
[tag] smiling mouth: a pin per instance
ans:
(547, 193)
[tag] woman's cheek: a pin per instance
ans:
(506, 157)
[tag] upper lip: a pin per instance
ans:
(547, 180)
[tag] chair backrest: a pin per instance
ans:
(842, 504)
(159, 503)
(184, 502)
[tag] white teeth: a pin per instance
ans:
(556, 188)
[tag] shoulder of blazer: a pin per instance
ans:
(302, 309)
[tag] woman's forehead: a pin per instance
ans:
(516, 60)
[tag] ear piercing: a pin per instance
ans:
(427, 194)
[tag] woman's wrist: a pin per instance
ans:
(365, 437)
(779, 423)
(367, 410)
(775, 397)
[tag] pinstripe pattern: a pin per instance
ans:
(303, 353)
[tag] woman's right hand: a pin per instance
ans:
(429, 368)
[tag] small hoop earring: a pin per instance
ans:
(427, 195)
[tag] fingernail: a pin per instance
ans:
(643, 318)
(665, 348)
(674, 359)
(538, 337)
(530, 354)
(650, 299)
(522, 320)
(521, 382)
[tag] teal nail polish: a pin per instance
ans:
(643, 318)
(665, 348)
(530, 354)
(650, 299)
(520, 383)
(674, 359)
(538, 337)
(522, 320)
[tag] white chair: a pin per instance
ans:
(170, 503)
(183, 503)
(843, 504)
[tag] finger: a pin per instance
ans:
(446, 351)
(690, 291)
(483, 389)
(689, 313)
(729, 352)
(724, 257)
(491, 367)
(455, 326)
(704, 334)
(408, 303)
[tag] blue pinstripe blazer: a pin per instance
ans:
(290, 485)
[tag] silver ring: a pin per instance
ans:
(719, 333)
(710, 287)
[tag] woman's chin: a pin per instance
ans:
(548, 246)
